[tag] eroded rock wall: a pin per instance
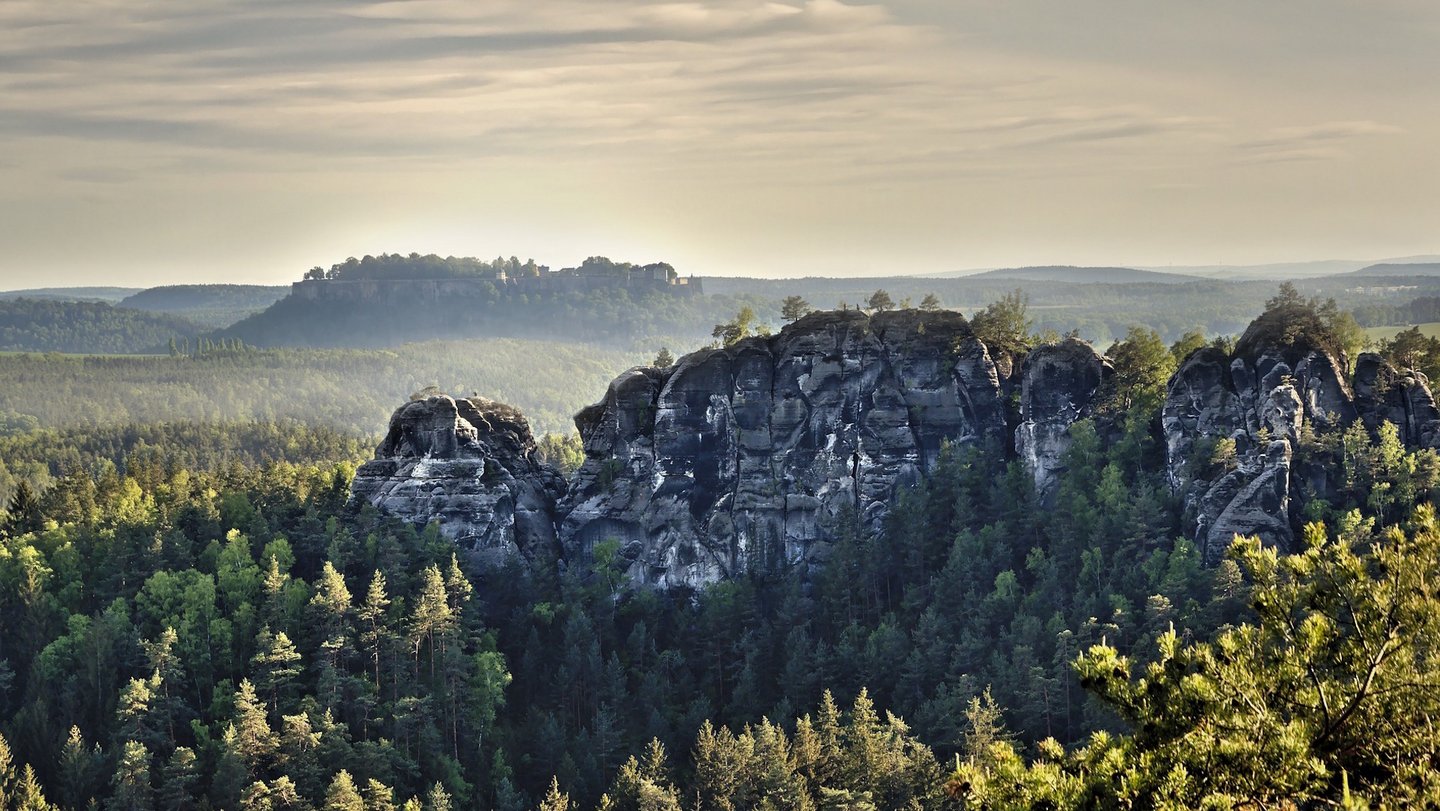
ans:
(747, 457)
(469, 465)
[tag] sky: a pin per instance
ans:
(147, 142)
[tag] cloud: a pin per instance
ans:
(881, 121)
(1322, 141)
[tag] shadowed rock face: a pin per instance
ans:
(470, 465)
(748, 456)
(1059, 385)
(1386, 394)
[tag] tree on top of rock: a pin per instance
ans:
(1290, 319)
(1005, 325)
(794, 308)
(742, 326)
(880, 301)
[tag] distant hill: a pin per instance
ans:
(1400, 269)
(37, 325)
(110, 294)
(211, 305)
(1083, 275)
(392, 299)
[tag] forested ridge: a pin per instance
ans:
(38, 325)
(230, 634)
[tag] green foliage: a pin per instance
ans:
(1291, 319)
(1412, 349)
(1143, 366)
(564, 451)
(880, 301)
(794, 308)
(1331, 694)
(742, 326)
(35, 325)
(1005, 325)
(348, 390)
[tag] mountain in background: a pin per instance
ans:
(91, 327)
(1081, 275)
(110, 294)
(1275, 271)
(211, 305)
(1400, 269)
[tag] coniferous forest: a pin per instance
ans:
(194, 617)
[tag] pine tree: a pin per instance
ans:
(80, 770)
(437, 799)
(555, 799)
(131, 789)
(342, 794)
(254, 740)
(431, 617)
(277, 664)
(373, 614)
(24, 510)
(332, 605)
(7, 773)
(378, 796)
(178, 789)
(794, 308)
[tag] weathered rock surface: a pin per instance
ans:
(1059, 385)
(1386, 394)
(747, 457)
(470, 466)
(1235, 427)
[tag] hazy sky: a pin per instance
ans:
(156, 141)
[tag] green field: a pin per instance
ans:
(1430, 330)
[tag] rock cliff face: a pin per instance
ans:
(749, 456)
(469, 465)
(754, 457)
(1235, 427)
(1059, 385)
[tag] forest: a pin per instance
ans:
(351, 390)
(37, 325)
(195, 617)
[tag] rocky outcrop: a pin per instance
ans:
(1403, 398)
(1237, 427)
(1059, 385)
(757, 456)
(752, 456)
(470, 466)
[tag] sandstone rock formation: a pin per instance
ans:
(755, 456)
(749, 456)
(470, 465)
(1059, 385)
(1235, 427)
(1386, 394)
